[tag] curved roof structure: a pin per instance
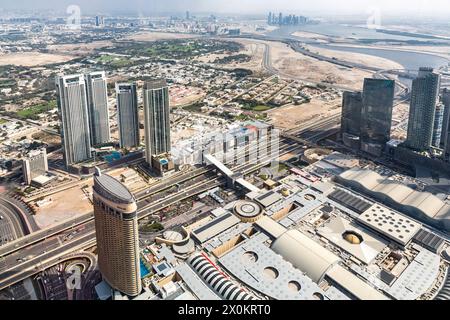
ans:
(305, 254)
(247, 210)
(112, 189)
(421, 205)
(216, 280)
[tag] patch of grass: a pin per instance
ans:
(282, 167)
(7, 83)
(3, 121)
(33, 112)
(113, 61)
(261, 108)
(153, 227)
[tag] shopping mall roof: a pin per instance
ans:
(422, 205)
(305, 254)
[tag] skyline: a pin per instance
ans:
(146, 7)
(224, 150)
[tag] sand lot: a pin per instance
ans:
(79, 49)
(357, 58)
(311, 35)
(291, 116)
(33, 59)
(65, 205)
(294, 65)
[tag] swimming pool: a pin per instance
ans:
(144, 270)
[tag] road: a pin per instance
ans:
(297, 46)
(15, 220)
(50, 245)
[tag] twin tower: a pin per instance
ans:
(85, 118)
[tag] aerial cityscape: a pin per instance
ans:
(224, 150)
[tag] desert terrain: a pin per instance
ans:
(33, 59)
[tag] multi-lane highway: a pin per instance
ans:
(44, 249)
(15, 220)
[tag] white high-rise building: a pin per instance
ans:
(34, 165)
(97, 95)
(156, 119)
(73, 110)
(422, 112)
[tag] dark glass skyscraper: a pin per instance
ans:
(376, 118)
(352, 106)
(128, 115)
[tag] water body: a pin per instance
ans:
(409, 60)
(353, 32)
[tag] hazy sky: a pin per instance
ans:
(407, 7)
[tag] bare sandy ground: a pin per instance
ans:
(443, 51)
(65, 205)
(33, 59)
(79, 49)
(311, 35)
(293, 64)
(357, 58)
(291, 116)
(154, 36)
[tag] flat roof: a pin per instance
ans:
(394, 225)
(271, 227)
(354, 285)
(256, 265)
(269, 198)
(215, 227)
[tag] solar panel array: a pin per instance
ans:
(349, 201)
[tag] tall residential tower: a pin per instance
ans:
(116, 229)
(128, 115)
(376, 117)
(352, 105)
(156, 119)
(97, 94)
(73, 110)
(424, 98)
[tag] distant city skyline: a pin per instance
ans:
(141, 7)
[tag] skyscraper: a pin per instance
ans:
(352, 105)
(128, 115)
(98, 107)
(34, 165)
(116, 230)
(445, 99)
(156, 118)
(437, 126)
(376, 118)
(351, 112)
(73, 110)
(424, 97)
